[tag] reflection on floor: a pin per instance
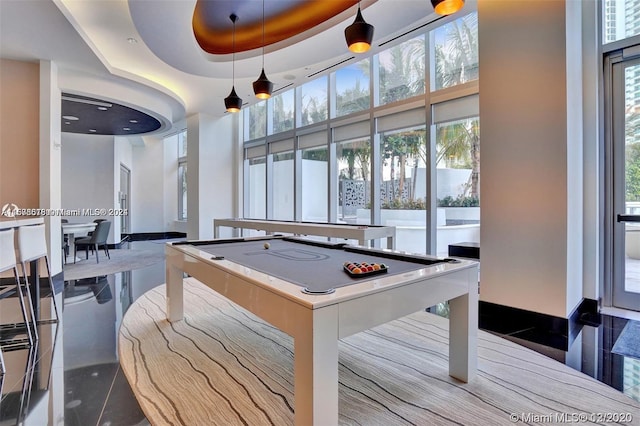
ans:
(73, 377)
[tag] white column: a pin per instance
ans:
(531, 185)
(211, 179)
(50, 159)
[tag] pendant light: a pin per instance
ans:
(359, 35)
(262, 87)
(447, 7)
(233, 102)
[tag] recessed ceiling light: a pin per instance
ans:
(132, 40)
(92, 130)
(70, 117)
(289, 77)
(133, 121)
(102, 108)
(126, 128)
(67, 122)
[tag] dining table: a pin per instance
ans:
(73, 230)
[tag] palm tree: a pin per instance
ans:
(353, 99)
(457, 58)
(402, 76)
(404, 146)
(459, 146)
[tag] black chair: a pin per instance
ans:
(90, 233)
(97, 239)
(65, 242)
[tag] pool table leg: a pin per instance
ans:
(175, 301)
(463, 335)
(316, 368)
(391, 243)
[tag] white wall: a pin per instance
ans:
(88, 175)
(528, 261)
(147, 186)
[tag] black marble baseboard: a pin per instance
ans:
(544, 329)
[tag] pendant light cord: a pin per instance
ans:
(263, 34)
(233, 52)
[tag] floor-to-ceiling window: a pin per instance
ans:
(456, 132)
(362, 141)
(458, 177)
(621, 26)
(403, 191)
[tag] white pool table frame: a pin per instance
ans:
(362, 233)
(316, 323)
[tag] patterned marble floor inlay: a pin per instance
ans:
(224, 366)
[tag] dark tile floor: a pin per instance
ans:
(73, 376)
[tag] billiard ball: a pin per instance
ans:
(266, 246)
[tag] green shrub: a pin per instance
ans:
(459, 201)
(398, 204)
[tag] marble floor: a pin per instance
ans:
(73, 376)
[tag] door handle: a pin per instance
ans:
(628, 218)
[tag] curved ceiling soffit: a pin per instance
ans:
(283, 20)
(102, 116)
(78, 16)
(178, 47)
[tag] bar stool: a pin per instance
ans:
(32, 246)
(8, 261)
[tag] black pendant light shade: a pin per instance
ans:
(262, 87)
(447, 7)
(233, 102)
(359, 35)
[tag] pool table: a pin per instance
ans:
(363, 233)
(302, 288)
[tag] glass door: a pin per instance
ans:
(625, 181)
(125, 186)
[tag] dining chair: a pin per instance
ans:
(8, 261)
(65, 242)
(97, 239)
